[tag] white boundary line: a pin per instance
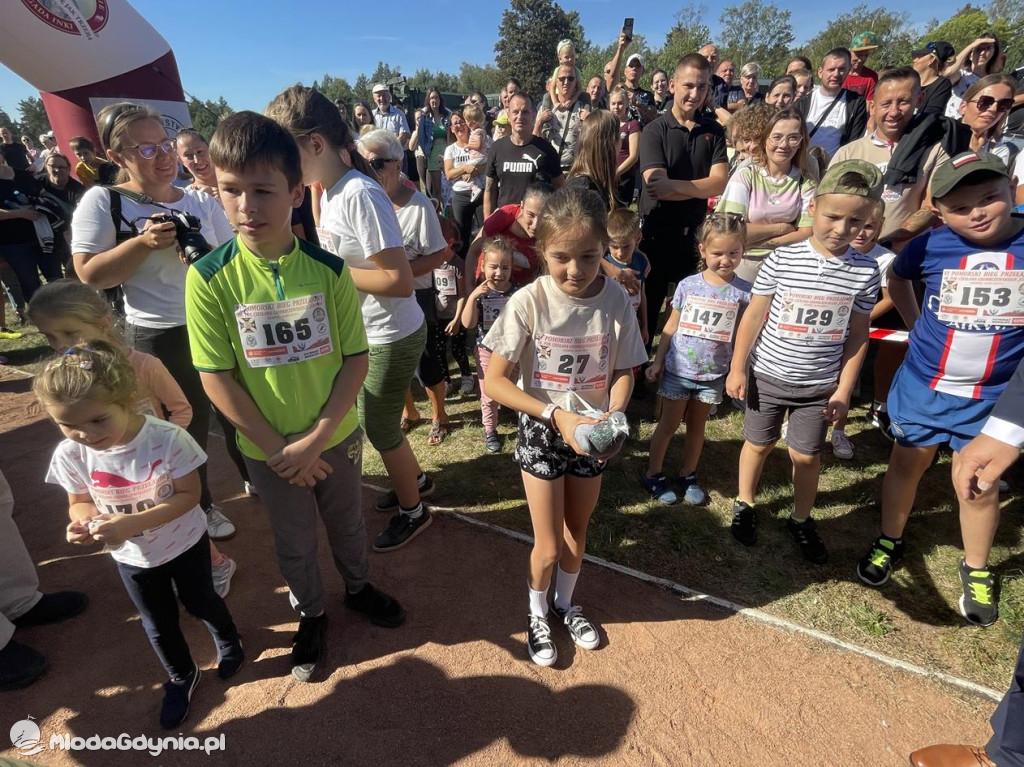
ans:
(692, 595)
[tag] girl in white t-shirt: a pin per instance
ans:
(574, 335)
(133, 485)
(358, 224)
(68, 312)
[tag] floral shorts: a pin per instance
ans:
(542, 453)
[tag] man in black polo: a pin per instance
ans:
(683, 161)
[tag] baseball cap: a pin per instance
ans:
(940, 49)
(864, 41)
(380, 87)
(502, 118)
(949, 176)
(832, 181)
(635, 57)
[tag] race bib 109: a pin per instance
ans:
(282, 332)
(815, 317)
(709, 318)
(571, 364)
(983, 297)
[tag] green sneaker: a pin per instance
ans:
(979, 603)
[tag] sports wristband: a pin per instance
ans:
(546, 416)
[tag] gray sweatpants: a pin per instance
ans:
(292, 511)
(19, 584)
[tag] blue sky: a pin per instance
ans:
(248, 51)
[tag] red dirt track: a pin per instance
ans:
(675, 683)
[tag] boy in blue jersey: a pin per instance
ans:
(277, 336)
(964, 348)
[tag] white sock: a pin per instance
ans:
(565, 584)
(538, 602)
(421, 480)
(414, 513)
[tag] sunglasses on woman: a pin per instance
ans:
(378, 163)
(149, 151)
(984, 103)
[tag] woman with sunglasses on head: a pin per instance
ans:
(982, 57)
(560, 122)
(138, 249)
(984, 110)
(773, 193)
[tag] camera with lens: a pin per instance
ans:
(188, 231)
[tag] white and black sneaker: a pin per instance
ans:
(582, 631)
(538, 642)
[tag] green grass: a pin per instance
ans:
(913, 618)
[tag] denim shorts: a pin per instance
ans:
(677, 387)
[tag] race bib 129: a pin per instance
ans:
(815, 317)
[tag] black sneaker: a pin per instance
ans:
(389, 501)
(401, 529)
(538, 642)
(52, 608)
(811, 545)
(880, 419)
(875, 567)
(383, 610)
(20, 666)
(583, 632)
(229, 661)
(744, 523)
(177, 696)
(979, 603)
(492, 441)
(308, 646)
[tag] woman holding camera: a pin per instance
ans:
(132, 235)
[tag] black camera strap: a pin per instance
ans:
(116, 193)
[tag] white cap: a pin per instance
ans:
(635, 57)
(380, 87)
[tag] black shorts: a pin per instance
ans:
(542, 453)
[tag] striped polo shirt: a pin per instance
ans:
(808, 320)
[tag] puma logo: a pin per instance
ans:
(106, 479)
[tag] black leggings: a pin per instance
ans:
(429, 371)
(440, 350)
(469, 216)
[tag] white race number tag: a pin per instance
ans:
(815, 317)
(444, 281)
(571, 364)
(282, 332)
(326, 240)
(710, 318)
(490, 308)
(988, 298)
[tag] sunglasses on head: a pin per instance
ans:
(984, 103)
(378, 163)
(149, 151)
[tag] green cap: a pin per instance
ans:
(864, 41)
(949, 176)
(831, 182)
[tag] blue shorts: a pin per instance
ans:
(677, 387)
(921, 416)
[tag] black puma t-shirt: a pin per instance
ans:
(516, 167)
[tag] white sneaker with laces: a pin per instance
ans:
(582, 631)
(222, 576)
(218, 526)
(842, 448)
(538, 642)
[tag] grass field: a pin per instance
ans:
(913, 618)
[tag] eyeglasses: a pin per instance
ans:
(985, 103)
(149, 151)
(777, 139)
(378, 163)
(566, 79)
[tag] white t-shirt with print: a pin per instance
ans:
(134, 477)
(830, 132)
(967, 79)
(357, 220)
(154, 296)
(459, 155)
(421, 231)
(563, 343)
